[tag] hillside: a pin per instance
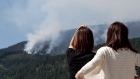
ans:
(57, 45)
(15, 64)
(62, 42)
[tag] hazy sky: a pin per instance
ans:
(22, 20)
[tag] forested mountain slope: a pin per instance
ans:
(16, 64)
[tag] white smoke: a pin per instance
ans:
(36, 42)
(69, 13)
(48, 32)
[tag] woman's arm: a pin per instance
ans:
(71, 46)
(97, 60)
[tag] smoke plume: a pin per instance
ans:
(67, 14)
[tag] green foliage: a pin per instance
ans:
(23, 66)
(135, 42)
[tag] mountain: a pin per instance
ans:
(99, 32)
(134, 29)
(63, 41)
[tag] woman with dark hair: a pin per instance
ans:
(116, 60)
(80, 50)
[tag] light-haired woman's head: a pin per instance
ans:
(117, 36)
(83, 39)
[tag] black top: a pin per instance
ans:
(76, 60)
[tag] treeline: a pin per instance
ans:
(24, 66)
(15, 64)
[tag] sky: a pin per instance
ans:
(40, 20)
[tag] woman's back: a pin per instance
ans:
(118, 64)
(76, 60)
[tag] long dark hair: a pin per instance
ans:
(83, 39)
(117, 36)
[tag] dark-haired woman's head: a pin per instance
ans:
(117, 36)
(83, 39)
